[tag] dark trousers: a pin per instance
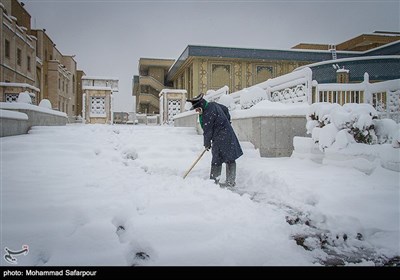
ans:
(215, 173)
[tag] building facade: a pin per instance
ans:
(56, 75)
(79, 92)
(31, 62)
(149, 83)
(17, 54)
(202, 68)
(97, 99)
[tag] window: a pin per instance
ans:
(28, 61)
(11, 97)
(73, 108)
(59, 83)
(264, 73)
(19, 57)
(45, 80)
(220, 75)
(7, 48)
(97, 106)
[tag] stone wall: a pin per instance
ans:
(273, 136)
(17, 126)
(14, 125)
(188, 119)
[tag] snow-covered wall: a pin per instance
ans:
(272, 135)
(13, 123)
(13, 120)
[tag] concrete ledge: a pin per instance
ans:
(33, 116)
(13, 124)
(188, 119)
(36, 118)
(272, 135)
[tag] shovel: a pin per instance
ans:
(194, 163)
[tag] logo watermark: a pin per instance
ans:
(9, 255)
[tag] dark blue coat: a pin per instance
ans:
(216, 124)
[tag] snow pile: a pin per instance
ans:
(332, 125)
(251, 96)
(8, 114)
(94, 195)
(228, 101)
(347, 135)
(268, 108)
(45, 103)
(24, 97)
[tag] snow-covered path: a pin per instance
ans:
(114, 195)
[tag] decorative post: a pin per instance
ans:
(367, 91)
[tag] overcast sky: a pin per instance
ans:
(109, 37)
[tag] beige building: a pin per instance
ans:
(17, 53)
(149, 83)
(56, 75)
(31, 62)
(79, 92)
(202, 68)
(97, 99)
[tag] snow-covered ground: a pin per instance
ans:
(114, 195)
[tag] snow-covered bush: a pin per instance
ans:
(45, 103)
(318, 115)
(251, 96)
(335, 125)
(386, 130)
(24, 97)
(396, 138)
(227, 100)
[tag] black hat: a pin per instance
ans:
(196, 101)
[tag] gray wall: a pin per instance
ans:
(273, 136)
(188, 121)
(11, 127)
(36, 118)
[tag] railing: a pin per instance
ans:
(147, 98)
(150, 81)
(290, 88)
(215, 95)
(383, 96)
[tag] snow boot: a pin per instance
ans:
(230, 174)
(215, 173)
